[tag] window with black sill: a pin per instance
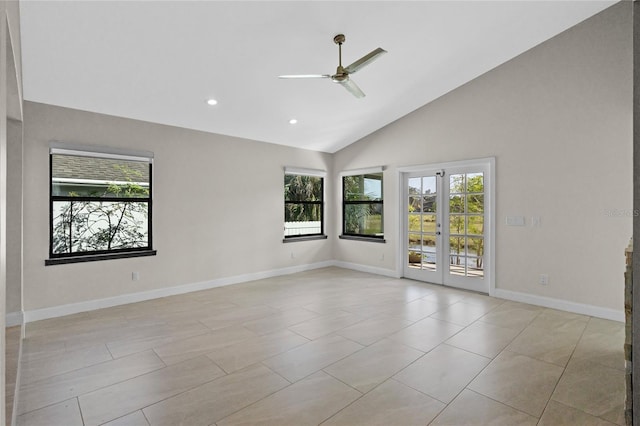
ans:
(362, 206)
(303, 206)
(100, 206)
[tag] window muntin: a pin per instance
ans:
(303, 206)
(99, 205)
(466, 224)
(362, 206)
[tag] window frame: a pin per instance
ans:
(359, 236)
(95, 255)
(322, 175)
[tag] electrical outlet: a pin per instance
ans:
(543, 279)
(135, 276)
(515, 220)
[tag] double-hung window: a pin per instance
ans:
(303, 204)
(100, 205)
(362, 205)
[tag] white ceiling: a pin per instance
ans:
(159, 61)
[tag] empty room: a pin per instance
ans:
(309, 212)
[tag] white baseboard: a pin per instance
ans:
(366, 268)
(91, 305)
(547, 302)
(14, 318)
(563, 305)
(17, 318)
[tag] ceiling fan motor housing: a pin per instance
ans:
(340, 75)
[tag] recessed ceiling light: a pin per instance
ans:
(293, 121)
(211, 102)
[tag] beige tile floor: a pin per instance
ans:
(11, 355)
(331, 347)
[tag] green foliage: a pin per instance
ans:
(130, 189)
(355, 187)
(466, 216)
(363, 218)
(468, 198)
(303, 198)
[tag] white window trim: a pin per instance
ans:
(356, 172)
(305, 172)
(64, 148)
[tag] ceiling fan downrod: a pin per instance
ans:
(340, 75)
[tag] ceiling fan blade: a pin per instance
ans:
(305, 76)
(365, 60)
(353, 88)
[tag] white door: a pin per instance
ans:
(447, 224)
(423, 226)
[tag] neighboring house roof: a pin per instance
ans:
(99, 169)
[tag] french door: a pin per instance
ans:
(447, 224)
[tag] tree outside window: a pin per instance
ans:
(466, 219)
(99, 205)
(303, 205)
(363, 205)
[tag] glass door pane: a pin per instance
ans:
(466, 225)
(423, 228)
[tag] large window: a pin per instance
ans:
(100, 205)
(362, 206)
(303, 205)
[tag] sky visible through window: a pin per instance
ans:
(373, 188)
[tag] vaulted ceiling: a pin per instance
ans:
(160, 61)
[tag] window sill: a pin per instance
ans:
(98, 257)
(304, 238)
(359, 238)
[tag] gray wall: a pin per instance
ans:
(217, 209)
(558, 119)
(14, 216)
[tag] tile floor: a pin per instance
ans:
(330, 347)
(11, 356)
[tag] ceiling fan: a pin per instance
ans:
(342, 73)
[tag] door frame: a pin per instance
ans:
(490, 210)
